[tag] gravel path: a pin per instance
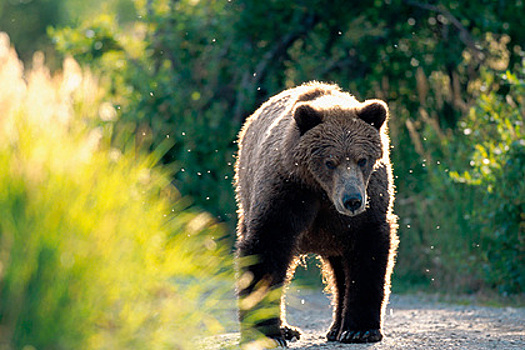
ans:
(411, 323)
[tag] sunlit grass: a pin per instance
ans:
(97, 250)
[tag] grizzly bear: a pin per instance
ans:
(313, 176)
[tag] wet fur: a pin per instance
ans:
(286, 198)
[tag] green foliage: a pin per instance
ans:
(466, 227)
(496, 144)
(160, 103)
(97, 249)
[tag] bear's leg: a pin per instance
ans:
(365, 288)
(263, 264)
(266, 249)
(336, 278)
(289, 332)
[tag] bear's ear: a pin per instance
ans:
(374, 112)
(306, 117)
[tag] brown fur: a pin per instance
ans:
(313, 175)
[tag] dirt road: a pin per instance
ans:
(411, 323)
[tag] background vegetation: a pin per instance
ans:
(97, 249)
(189, 72)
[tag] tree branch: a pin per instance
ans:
(338, 64)
(282, 47)
(274, 55)
(464, 34)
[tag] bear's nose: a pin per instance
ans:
(352, 201)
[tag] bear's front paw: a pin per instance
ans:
(368, 336)
(332, 334)
(290, 333)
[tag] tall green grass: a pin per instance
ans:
(97, 250)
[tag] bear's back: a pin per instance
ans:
(278, 109)
(268, 124)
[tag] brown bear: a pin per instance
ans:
(313, 175)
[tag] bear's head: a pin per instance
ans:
(339, 146)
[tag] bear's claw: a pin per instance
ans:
(332, 335)
(369, 336)
(290, 333)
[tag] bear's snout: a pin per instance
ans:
(349, 190)
(352, 201)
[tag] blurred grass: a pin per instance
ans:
(97, 249)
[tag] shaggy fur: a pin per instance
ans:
(313, 175)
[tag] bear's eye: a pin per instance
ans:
(330, 164)
(361, 162)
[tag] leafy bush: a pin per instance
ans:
(495, 142)
(97, 249)
(465, 225)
